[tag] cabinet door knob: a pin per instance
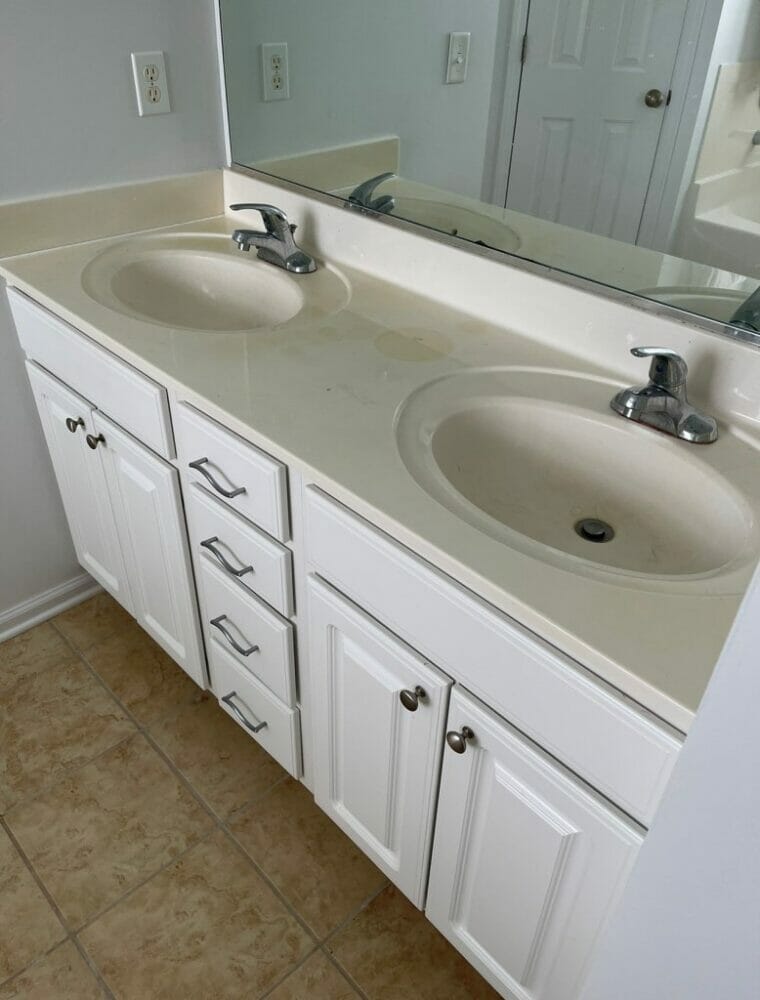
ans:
(411, 699)
(74, 425)
(94, 441)
(458, 741)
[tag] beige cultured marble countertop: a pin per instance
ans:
(322, 397)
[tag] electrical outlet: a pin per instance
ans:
(459, 57)
(151, 87)
(274, 66)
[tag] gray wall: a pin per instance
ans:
(68, 121)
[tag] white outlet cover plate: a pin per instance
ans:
(151, 86)
(275, 71)
(459, 57)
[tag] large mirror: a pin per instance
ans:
(618, 140)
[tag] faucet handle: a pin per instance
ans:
(668, 369)
(275, 220)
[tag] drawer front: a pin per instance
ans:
(250, 704)
(583, 722)
(257, 637)
(130, 398)
(250, 481)
(240, 550)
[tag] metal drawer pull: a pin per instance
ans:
(94, 441)
(198, 466)
(210, 544)
(74, 425)
(217, 623)
(411, 699)
(227, 699)
(458, 741)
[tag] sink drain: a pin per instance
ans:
(594, 530)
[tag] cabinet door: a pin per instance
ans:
(66, 420)
(146, 499)
(376, 762)
(527, 864)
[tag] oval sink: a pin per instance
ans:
(458, 221)
(535, 458)
(203, 282)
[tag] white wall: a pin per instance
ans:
(362, 71)
(689, 924)
(68, 121)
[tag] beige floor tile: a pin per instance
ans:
(30, 653)
(51, 722)
(223, 764)
(92, 621)
(393, 952)
(208, 926)
(141, 674)
(28, 925)
(317, 868)
(316, 979)
(107, 827)
(61, 975)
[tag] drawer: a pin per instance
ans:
(620, 750)
(250, 481)
(257, 637)
(275, 726)
(240, 550)
(130, 398)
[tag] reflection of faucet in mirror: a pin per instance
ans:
(276, 245)
(662, 403)
(362, 196)
(747, 316)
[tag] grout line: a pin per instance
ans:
(41, 885)
(90, 963)
(346, 975)
(354, 913)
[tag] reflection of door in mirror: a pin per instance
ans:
(590, 111)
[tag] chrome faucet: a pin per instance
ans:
(663, 403)
(362, 196)
(747, 316)
(276, 244)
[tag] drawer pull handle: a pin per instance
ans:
(255, 727)
(210, 544)
(458, 741)
(411, 699)
(217, 623)
(93, 441)
(74, 425)
(198, 466)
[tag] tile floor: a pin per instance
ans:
(150, 849)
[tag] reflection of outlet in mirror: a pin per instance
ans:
(275, 72)
(151, 87)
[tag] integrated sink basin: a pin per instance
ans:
(203, 282)
(456, 220)
(537, 460)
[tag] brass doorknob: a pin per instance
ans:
(458, 741)
(411, 699)
(654, 98)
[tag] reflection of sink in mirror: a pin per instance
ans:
(203, 282)
(526, 456)
(715, 303)
(457, 220)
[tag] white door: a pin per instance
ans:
(66, 421)
(376, 756)
(147, 503)
(527, 864)
(585, 139)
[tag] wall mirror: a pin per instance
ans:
(617, 140)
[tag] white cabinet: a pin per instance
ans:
(527, 863)
(66, 420)
(376, 756)
(146, 500)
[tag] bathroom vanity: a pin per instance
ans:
(484, 702)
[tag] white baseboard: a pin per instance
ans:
(42, 606)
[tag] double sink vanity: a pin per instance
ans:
(413, 551)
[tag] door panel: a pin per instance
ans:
(146, 499)
(81, 480)
(585, 141)
(376, 763)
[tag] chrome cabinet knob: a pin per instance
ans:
(74, 425)
(654, 98)
(458, 740)
(93, 441)
(411, 699)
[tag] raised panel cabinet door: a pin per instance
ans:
(527, 863)
(147, 503)
(66, 422)
(376, 756)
